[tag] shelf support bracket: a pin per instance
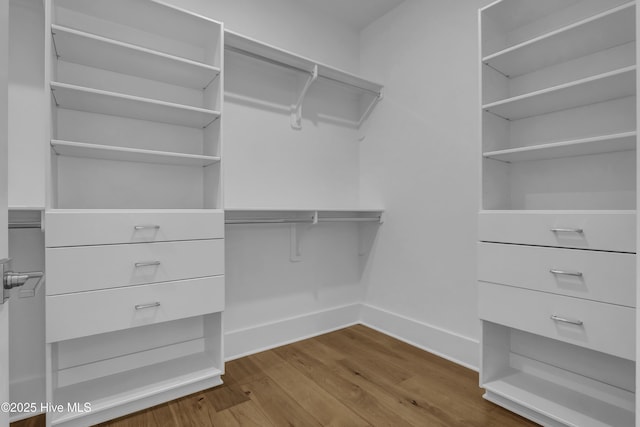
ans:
(377, 98)
(296, 111)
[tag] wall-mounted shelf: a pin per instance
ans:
(602, 87)
(107, 152)
(100, 52)
(301, 216)
(605, 30)
(238, 43)
(116, 104)
(578, 147)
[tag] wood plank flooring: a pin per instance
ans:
(352, 377)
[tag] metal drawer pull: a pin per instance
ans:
(146, 227)
(146, 264)
(143, 306)
(567, 230)
(565, 320)
(566, 273)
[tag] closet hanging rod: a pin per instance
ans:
(300, 69)
(350, 219)
(376, 93)
(270, 221)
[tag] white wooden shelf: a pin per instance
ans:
(602, 87)
(605, 30)
(130, 387)
(311, 216)
(116, 104)
(578, 147)
(252, 47)
(558, 403)
(99, 52)
(107, 152)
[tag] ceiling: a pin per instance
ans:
(356, 13)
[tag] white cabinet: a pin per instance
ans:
(557, 229)
(134, 226)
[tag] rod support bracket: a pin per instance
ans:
(296, 111)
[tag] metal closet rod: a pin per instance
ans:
(293, 67)
(300, 220)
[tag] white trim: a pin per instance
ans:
(449, 345)
(247, 341)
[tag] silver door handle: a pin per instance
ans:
(566, 273)
(143, 306)
(146, 227)
(146, 264)
(565, 320)
(567, 230)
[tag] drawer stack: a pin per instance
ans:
(571, 282)
(120, 279)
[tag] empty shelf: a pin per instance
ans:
(602, 87)
(107, 152)
(579, 147)
(559, 403)
(311, 216)
(100, 52)
(254, 48)
(116, 104)
(107, 392)
(605, 30)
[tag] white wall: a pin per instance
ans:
(289, 24)
(421, 158)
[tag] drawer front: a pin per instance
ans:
(86, 268)
(605, 230)
(605, 327)
(600, 276)
(77, 228)
(88, 313)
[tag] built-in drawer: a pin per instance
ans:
(603, 230)
(87, 313)
(596, 275)
(603, 327)
(97, 227)
(86, 268)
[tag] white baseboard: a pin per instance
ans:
(243, 342)
(446, 344)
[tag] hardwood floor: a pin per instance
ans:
(352, 377)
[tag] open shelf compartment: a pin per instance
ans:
(116, 104)
(106, 152)
(579, 147)
(602, 87)
(521, 391)
(141, 386)
(100, 52)
(602, 31)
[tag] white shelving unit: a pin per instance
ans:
(100, 52)
(558, 126)
(79, 98)
(611, 28)
(238, 43)
(625, 141)
(106, 152)
(135, 165)
(603, 87)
